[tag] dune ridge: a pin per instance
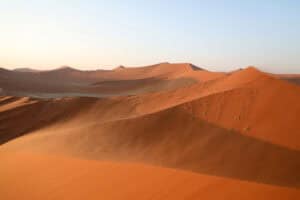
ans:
(67, 81)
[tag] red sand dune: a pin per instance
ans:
(170, 137)
(292, 78)
(72, 82)
(241, 126)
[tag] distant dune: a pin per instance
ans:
(26, 70)
(72, 82)
(135, 130)
(292, 78)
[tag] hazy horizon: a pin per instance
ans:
(215, 35)
(113, 67)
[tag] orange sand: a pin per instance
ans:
(31, 176)
(236, 134)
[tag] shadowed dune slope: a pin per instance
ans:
(20, 115)
(139, 86)
(292, 78)
(55, 177)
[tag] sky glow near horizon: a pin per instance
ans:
(216, 35)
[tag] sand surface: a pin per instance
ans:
(33, 176)
(166, 131)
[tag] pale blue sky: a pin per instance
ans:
(89, 34)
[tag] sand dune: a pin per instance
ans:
(228, 113)
(172, 138)
(67, 81)
(66, 178)
(239, 126)
(292, 78)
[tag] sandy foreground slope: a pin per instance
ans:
(34, 176)
(235, 135)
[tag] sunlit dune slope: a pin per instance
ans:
(248, 101)
(33, 176)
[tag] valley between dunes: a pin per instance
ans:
(166, 131)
